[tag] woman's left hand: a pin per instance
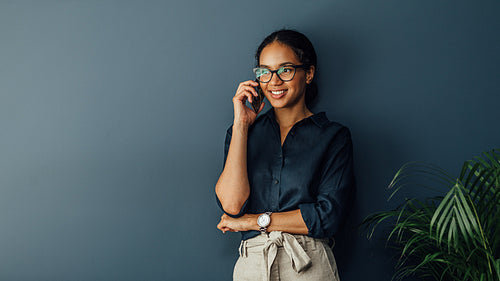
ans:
(243, 223)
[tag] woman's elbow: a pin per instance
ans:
(233, 209)
(232, 203)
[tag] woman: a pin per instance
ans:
(288, 173)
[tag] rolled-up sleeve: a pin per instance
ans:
(227, 142)
(336, 186)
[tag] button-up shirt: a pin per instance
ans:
(312, 171)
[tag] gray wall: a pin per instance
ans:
(113, 115)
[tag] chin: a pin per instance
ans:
(277, 104)
(282, 103)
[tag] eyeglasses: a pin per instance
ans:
(285, 73)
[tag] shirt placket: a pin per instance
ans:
(277, 169)
(279, 165)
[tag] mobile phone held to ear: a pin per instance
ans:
(257, 101)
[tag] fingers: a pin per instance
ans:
(249, 83)
(247, 87)
(223, 224)
(224, 228)
(244, 93)
(261, 107)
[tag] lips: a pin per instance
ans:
(277, 94)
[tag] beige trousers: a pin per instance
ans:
(283, 256)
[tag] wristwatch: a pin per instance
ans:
(264, 221)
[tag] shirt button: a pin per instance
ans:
(276, 181)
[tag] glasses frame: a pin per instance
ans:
(303, 66)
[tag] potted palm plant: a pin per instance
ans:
(453, 236)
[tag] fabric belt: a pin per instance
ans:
(300, 259)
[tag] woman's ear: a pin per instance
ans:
(310, 74)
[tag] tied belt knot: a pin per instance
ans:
(299, 258)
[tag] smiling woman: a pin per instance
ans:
(288, 173)
(282, 90)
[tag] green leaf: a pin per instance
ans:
(454, 236)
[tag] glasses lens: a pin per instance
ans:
(286, 72)
(262, 74)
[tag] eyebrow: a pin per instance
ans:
(281, 64)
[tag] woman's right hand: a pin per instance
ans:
(243, 115)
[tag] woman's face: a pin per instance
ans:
(284, 94)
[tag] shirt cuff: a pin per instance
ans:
(311, 219)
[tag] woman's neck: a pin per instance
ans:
(287, 117)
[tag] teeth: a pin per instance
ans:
(277, 92)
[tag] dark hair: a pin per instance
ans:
(302, 48)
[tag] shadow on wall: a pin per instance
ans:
(345, 239)
(374, 158)
(377, 150)
(336, 70)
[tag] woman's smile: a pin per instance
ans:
(277, 94)
(283, 94)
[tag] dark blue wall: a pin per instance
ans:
(113, 115)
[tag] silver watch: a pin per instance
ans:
(264, 221)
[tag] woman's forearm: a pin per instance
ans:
(290, 222)
(233, 187)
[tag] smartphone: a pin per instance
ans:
(257, 101)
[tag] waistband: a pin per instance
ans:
(293, 244)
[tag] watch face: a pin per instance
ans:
(263, 220)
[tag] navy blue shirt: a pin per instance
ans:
(312, 171)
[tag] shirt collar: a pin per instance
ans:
(319, 119)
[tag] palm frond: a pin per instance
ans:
(450, 237)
